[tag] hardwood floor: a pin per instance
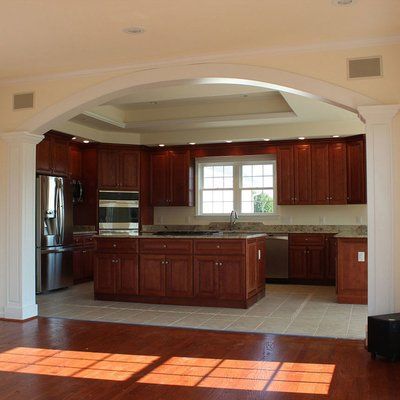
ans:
(51, 358)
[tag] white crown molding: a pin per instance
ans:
(268, 51)
(21, 137)
(107, 120)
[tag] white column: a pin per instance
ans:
(17, 200)
(383, 208)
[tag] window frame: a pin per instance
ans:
(237, 162)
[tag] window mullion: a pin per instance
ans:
(236, 187)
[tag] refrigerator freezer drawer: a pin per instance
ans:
(55, 270)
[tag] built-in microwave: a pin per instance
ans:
(118, 212)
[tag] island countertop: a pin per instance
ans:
(225, 235)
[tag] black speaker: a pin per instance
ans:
(384, 336)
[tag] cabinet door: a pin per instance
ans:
(108, 169)
(206, 276)
(152, 275)
(231, 276)
(298, 262)
(302, 173)
(128, 275)
(330, 271)
(129, 170)
(105, 273)
(320, 173)
(179, 178)
(77, 266)
(75, 162)
(179, 275)
(160, 183)
(87, 263)
(60, 156)
(285, 174)
(356, 178)
(43, 156)
(316, 262)
(261, 249)
(337, 173)
(252, 268)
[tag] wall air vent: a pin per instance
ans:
(23, 101)
(366, 67)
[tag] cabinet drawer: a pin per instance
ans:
(78, 240)
(166, 246)
(89, 241)
(302, 239)
(108, 244)
(223, 246)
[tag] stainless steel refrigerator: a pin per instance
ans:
(54, 225)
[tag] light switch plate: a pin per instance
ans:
(361, 256)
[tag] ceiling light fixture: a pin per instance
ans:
(192, 143)
(266, 140)
(86, 141)
(74, 138)
(335, 136)
(133, 30)
(343, 2)
(228, 141)
(301, 138)
(161, 145)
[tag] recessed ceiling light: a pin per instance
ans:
(161, 145)
(266, 140)
(133, 30)
(192, 143)
(74, 138)
(86, 141)
(343, 2)
(301, 138)
(228, 141)
(335, 136)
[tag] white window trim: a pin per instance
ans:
(236, 161)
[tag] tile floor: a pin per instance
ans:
(286, 309)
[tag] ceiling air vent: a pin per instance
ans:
(366, 67)
(23, 100)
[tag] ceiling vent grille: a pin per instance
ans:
(23, 101)
(367, 67)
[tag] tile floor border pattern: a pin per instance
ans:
(286, 309)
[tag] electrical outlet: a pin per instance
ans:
(361, 256)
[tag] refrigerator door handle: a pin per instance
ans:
(60, 212)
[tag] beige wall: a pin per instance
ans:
(296, 215)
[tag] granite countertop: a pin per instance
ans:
(84, 230)
(229, 235)
(349, 235)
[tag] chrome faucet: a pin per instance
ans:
(232, 219)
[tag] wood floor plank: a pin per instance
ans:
(51, 358)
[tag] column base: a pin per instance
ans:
(20, 313)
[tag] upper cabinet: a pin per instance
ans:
(356, 172)
(52, 155)
(322, 172)
(75, 162)
(172, 180)
(118, 168)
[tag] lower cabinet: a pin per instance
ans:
(82, 262)
(127, 274)
(152, 275)
(179, 276)
(219, 277)
(105, 274)
(311, 259)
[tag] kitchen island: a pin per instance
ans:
(221, 270)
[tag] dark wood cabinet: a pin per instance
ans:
(105, 273)
(309, 258)
(285, 174)
(337, 173)
(352, 273)
(206, 276)
(172, 180)
(356, 172)
(75, 162)
(261, 262)
(83, 258)
(152, 275)
(179, 275)
(230, 277)
(320, 192)
(127, 275)
(332, 258)
(118, 168)
(252, 271)
(302, 173)
(52, 154)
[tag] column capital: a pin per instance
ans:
(378, 114)
(21, 137)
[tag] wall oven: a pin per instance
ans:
(118, 212)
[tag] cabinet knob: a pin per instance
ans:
(216, 263)
(162, 262)
(218, 246)
(114, 245)
(166, 262)
(164, 246)
(84, 251)
(220, 264)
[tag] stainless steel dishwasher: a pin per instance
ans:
(277, 256)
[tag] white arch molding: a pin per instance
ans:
(380, 298)
(199, 74)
